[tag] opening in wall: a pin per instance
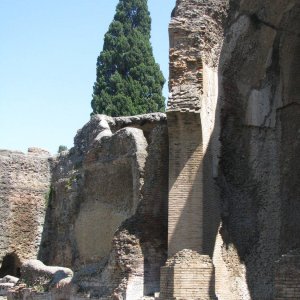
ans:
(10, 265)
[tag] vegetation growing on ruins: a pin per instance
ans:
(62, 148)
(129, 81)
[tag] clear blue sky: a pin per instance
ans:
(48, 58)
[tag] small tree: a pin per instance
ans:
(129, 82)
(62, 148)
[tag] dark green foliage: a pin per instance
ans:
(62, 148)
(129, 82)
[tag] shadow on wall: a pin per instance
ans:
(194, 224)
(142, 237)
(10, 265)
(140, 244)
(150, 222)
(155, 210)
(260, 125)
(194, 207)
(259, 169)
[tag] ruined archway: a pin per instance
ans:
(10, 265)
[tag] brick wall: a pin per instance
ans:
(287, 277)
(185, 182)
(188, 275)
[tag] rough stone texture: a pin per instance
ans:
(35, 273)
(24, 190)
(237, 64)
(195, 43)
(9, 279)
(95, 188)
(114, 179)
(188, 275)
(5, 287)
(195, 40)
(287, 277)
(6, 283)
(259, 98)
(139, 246)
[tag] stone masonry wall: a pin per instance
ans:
(185, 223)
(194, 215)
(287, 277)
(236, 63)
(24, 193)
(139, 247)
(259, 122)
(188, 275)
(234, 87)
(195, 42)
(95, 187)
(107, 214)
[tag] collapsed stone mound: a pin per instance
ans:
(38, 280)
(34, 272)
(6, 283)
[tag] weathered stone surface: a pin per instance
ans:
(34, 273)
(114, 179)
(139, 247)
(195, 42)
(24, 189)
(188, 275)
(185, 221)
(233, 119)
(6, 283)
(287, 276)
(39, 281)
(259, 167)
(196, 37)
(9, 279)
(244, 86)
(5, 287)
(95, 187)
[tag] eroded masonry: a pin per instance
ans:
(199, 203)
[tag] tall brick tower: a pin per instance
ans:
(189, 272)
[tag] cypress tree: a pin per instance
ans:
(129, 81)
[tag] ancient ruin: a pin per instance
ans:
(199, 203)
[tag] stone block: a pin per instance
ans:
(188, 276)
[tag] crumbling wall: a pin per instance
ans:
(195, 43)
(107, 215)
(188, 275)
(139, 246)
(234, 67)
(287, 276)
(237, 63)
(24, 193)
(95, 194)
(194, 213)
(260, 121)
